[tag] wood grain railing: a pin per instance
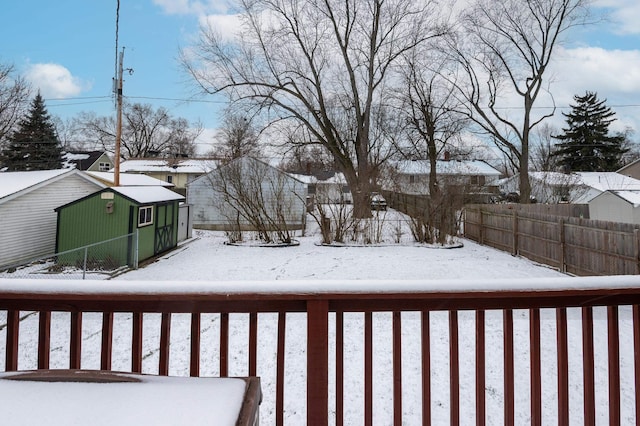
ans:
(328, 306)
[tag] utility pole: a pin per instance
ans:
(118, 90)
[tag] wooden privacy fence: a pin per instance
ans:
(496, 337)
(572, 244)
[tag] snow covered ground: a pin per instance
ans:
(207, 258)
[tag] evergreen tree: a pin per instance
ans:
(34, 145)
(586, 144)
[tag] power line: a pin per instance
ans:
(162, 98)
(176, 99)
(78, 103)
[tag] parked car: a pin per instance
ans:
(378, 202)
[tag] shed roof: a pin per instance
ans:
(453, 167)
(148, 194)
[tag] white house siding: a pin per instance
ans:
(615, 207)
(209, 208)
(28, 224)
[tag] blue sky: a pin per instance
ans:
(67, 49)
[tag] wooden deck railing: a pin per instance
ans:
(328, 307)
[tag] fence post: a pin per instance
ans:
(636, 248)
(84, 265)
(480, 227)
(515, 233)
(562, 266)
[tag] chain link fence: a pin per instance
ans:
(99, 261)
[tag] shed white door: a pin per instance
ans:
(184, 222)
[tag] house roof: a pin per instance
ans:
(244, 161)
(631, 196)
(601, 181)
(192, 165)
(453, 167)
(81, 160)
(147, 194)
(555, 178)
(604, 181)
(337, 178)
(130, 179)
(12, 183)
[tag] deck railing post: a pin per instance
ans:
(11, 349)
(317, 362)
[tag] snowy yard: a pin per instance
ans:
(207, 258)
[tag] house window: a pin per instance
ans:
(145, 216)
(412, 179)
(104, 167)
(170, 179)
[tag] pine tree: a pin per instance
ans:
(586, 144)
(35, 144)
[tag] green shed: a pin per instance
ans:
(119, 217)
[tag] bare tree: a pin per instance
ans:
(431, 111)
(237, 137)
(14, 99)
(146, 132)
(542, 148)
(306, 159)
(632, 148)
(431, 124)
(325, 65)
(254, 196)
(506, 50)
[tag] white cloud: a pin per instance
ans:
(227, 26)
(55, 81)
(190, 7)
(625, 14)
(613, 74)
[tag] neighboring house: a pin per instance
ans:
(475, 176)
(631, 169)
(327, 187)
(95, 161)
(113, 212)
(179, 172)
(577, 188)
(616, 206)
(548, 187)
(598, 182)
(252, 182)
(27, 216)
(129, 179)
